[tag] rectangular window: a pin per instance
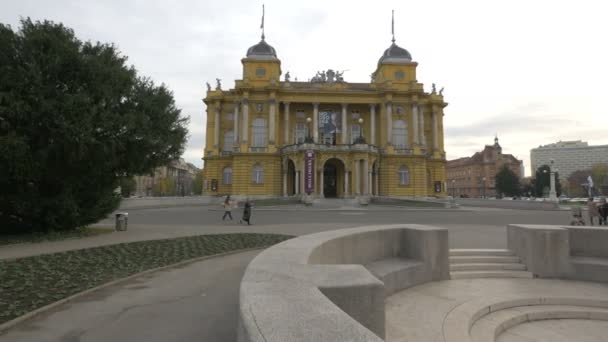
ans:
(301, 131)
(355, 132)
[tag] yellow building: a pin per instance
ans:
(325, 137)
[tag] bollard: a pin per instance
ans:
(121, 221)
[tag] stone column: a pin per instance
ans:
(365, 174)
(272, 127)
(345, 183)
(321, 195)
(389, 122)
(235, 128)
(376, 182)
(216, 131)
(416, 140)
(297, 181)
(344, 128)
(421, 123)
(372, 114)
(435, 129)
(315, 122)
(356, 181)
(286, 122)
(284, 183)
(245, 124)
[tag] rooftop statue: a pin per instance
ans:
(287, 76)
(434, 89)
(208, 86)
(219, 84)
(339, 77)
(441, 91)
(329, 76)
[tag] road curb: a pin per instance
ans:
(12, 323)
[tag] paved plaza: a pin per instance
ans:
(199, 301)
(434, 312)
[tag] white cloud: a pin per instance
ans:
(531, 71)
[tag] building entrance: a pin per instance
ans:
(330, 176)
(333, 178)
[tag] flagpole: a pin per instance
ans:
(393, 25)
(262, 26)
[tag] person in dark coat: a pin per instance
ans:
(603, 211)
(247, 213)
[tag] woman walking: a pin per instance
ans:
(227, 208)
(246, 213)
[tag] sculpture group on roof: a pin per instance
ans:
(329, 76)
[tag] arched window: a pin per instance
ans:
(400, 134)
(228, 141)
(257, 175)
(259, 133)
(404, 175)
(227, 175)
(355, 132)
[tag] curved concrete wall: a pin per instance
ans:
(331, 286)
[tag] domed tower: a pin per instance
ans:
(261, 66)
(395, 65)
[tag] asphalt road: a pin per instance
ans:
(199, 302)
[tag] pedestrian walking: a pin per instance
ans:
(227, 208)
(246, 213)
(603, 211)
(592, 210)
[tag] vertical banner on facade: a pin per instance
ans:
(309, 171)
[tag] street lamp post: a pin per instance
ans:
(483, 193)
(552, 193)
(308, 138)
(453, 188)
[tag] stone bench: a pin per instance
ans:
(397, 273)
(331, 286)
(568, 252)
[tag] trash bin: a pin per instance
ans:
(121, 221)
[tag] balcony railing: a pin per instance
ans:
(401, 150)
(226, 153)
(258, 149)
(330, 148)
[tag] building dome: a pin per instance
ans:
(262, 50)
(395, 54)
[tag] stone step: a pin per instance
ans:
(481, 252)
(490, 274)
(488, 267)
(467, 259)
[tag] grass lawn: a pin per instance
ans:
(53, 236)
(30, 283)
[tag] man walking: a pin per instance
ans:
(246, 213)
(603, 211)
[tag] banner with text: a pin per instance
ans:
(309, 171)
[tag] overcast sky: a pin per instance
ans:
(533, 72)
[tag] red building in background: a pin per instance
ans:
(475, 176)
